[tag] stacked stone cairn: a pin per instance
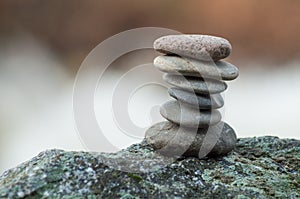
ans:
(192, 65)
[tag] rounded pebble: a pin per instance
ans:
(173, 140)
(196, 84)
(192, 67)
(188, 116)
(203, 101)
(202, 47)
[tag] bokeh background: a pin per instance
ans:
(42, 44)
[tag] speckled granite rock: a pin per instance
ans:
(263, 167)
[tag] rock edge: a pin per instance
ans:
(259, 167)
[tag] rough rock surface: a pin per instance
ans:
(263, 167)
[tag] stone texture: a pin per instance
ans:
(196, 84)
(173, 140)
(192, 67)
(189, 116)
(201, 101)
(202, 47)
(259, 167)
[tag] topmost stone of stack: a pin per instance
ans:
(201, 47)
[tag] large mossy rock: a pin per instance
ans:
(259, 167)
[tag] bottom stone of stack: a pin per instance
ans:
(170, 139)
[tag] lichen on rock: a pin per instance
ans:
(259, 167)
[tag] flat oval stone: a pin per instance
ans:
(203, 101)
(202, 47)
(189, 116)
(196, 84)
(192, 67)
(172, 140)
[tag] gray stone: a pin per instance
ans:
(192, 67)
(196, 84)
(172, 140)
(202, 47)
(259, 167)
(202, 101)
(189, 116)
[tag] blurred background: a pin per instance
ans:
(43, 43)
